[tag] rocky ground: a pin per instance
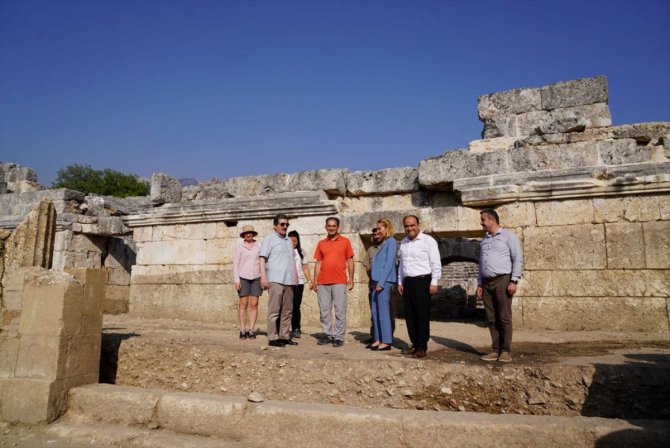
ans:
(567, 374)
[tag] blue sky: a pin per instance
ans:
(202, 89)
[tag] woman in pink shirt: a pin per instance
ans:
(247, 277)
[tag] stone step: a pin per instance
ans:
(308, 425)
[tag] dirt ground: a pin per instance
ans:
(617, 375)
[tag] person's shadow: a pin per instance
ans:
(456, 345)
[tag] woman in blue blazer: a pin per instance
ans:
(384, 276)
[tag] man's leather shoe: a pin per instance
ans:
(324, 340)
(419, 354)
(338, 343)
(409, 351)
(289, 342)
(276, 343)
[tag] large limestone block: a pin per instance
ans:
(94, 284)
(41, 357)
(143, 234)
(220, 251)
(535, 284)
(116, 300)
(207, 303)
(164, 189)
(609, 283)
(201, 414)
(382, 182)
(596, 313)
(657, 244)
(459, 221)
(30, 401)
(517, 214)
(625, 245)
(309, 225)
(508, 102)
(124, 405)
(440, 172)
(580, 246)
(363, 204)
(623, 151)
(358, 308)
(575, 92)
(32, 242)
(118, 277)
(196, 231)
(53, 304)
(552, 157)
(181, 274)
(173, 252)
(9, 350)
(628, 209)
(558, 213)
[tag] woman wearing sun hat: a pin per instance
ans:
(247, 278)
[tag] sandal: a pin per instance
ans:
(243, 335)
(251, 334)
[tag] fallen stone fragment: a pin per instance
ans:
(255, 397)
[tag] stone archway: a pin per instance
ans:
(456, 298)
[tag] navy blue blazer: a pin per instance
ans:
(384, 262)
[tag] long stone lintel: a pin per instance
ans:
(235, 209)
(563, 184)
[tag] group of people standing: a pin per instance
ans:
(279, 265)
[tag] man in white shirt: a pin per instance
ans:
(418, 273)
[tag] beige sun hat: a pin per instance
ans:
(247, 229)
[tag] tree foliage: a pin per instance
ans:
(103, 182)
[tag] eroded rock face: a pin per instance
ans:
(165, 189)
(32, 243)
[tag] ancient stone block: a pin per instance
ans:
(164, 189)
(29, 401)
(32, 242)
(441, 171)
(116, 300)
(40, 357)
(569, 119)
(382, 182)
(501, 126)
(624, 246)
(52, 305)
(118, 277)
(575, 92)
(173, 252)
(196, 231)
(596, 313)
(508, 102)
(623, 151)
(492, 144)
(535, 284)
(628, 209)
(142, 234)
(552, 157)
(457, 220)
(94, 286)
(657, 244)
(125, 405)
(220, 251)
(517, 214)
(555, 213)
(182, 274)
(610, 283)
(201, 414)
(580, 246)
(9, 351)
(207, 303)
(109, 226)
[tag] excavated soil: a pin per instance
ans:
(564, 374)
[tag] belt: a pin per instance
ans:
(417, 276)
(497, 277)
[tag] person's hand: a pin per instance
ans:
(432, 289)
(480, 292)
(238, 286)
(351, 285)
(400, 289)
(314, 287)
(264, 283)
(511, 289)
(379, 288)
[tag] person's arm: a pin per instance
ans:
(401, 274)
(317, 270)
(264, 279)
(350, 265)
(305, 272)
(236, 267)
(435, 265)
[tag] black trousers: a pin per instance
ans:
(416, 300)
(297, 301)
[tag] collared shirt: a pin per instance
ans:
(333, 255)
(500, 254)
(419, 256)
(299, 263)
(245, 262)
(279, 267)
(369, 255)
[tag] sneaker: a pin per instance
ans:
(325, 340)
(493, 356)
(296, 333)
(505, 357)
(338, 343)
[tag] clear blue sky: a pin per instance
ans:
(221, 88)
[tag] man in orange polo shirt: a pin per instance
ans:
(334, 257)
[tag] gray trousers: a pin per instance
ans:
(330, 296)
(280, 309)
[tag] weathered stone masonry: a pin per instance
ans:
(590, 202)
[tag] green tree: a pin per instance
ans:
(104, 182)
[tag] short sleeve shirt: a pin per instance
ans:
(333, 255)
(279, 267)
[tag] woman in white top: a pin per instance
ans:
(247, 278)
(302, 269)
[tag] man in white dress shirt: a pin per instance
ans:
(418, 273)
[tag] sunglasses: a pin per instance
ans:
(283, 224)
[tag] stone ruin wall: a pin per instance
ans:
(590, 202)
